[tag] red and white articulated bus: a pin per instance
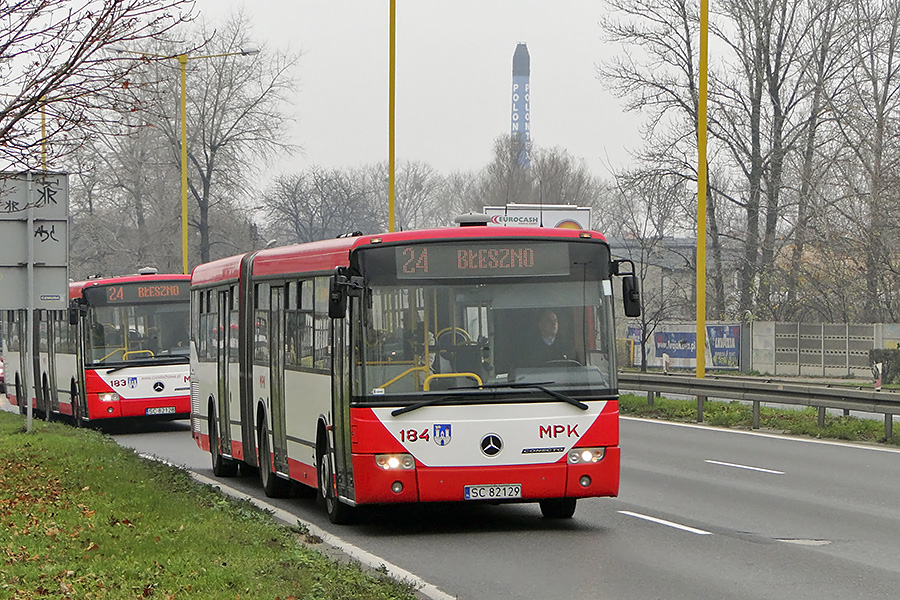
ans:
(396, 368)
(121, 350)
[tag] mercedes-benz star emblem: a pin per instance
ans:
(159, 386)
(491, 444)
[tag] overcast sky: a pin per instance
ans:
(453, 78)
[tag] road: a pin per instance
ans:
(702, 513)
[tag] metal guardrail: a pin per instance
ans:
(764, 390)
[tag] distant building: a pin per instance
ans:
(669, 274)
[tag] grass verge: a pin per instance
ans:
(738, 415)
(82, 517)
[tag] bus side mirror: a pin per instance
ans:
(631, 293)
(337, 297)
(341, 287)
(631, 296)
(74, 312)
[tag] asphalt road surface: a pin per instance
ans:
(702, 513)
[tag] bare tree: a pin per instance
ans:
(52, 59)
(657, 75)
(416, 194)
(560, 178)
(122, 215)
(458, 194)
(553, 177)
(647, 204)
(506, 180)
(869, 114)
(761, 121)
(781, 132)
(235, 120)
(829, 47)
(318, 204)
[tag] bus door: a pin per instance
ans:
(49, 345)
(78, 333)
(16, 358)
(276, 378)
(340, 398)
(39, 402)
(223, 399)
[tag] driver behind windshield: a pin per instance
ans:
(546, 344)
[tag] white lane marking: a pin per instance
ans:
(773, 436)
(664, 522)
(366, 558)
(748, 467)
(804, 542)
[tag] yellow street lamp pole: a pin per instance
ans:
(391, 82)
(43, 134)
(701, 193)
(182, 61)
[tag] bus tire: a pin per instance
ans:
(23, 406)
(76, 405)
(273, 485)
(338, 512)
(221, 466)
(558, 508)
(48, 412)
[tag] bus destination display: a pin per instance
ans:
(487, 259)
(138, 293)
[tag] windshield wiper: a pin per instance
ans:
(422, 404)
(169, 360)
(540, 386)
(537, 386)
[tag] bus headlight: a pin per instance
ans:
(580, 456)
(393, 462)
(109, 397)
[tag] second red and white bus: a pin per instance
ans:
(120, 351)
(394, 368)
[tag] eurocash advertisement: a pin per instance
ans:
(539, 215)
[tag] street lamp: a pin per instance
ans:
(182, 61)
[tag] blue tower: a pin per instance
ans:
(520, 127)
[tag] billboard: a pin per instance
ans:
(676, 346)
(564, 216)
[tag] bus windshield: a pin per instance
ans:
(459, 335)
(145, 332)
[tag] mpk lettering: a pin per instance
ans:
(554, 431)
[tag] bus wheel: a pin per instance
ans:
(273, 485)
(558, 508)
(338, 512)
(48, 409)
(221, 466)
(76, 405)
(20, 399)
